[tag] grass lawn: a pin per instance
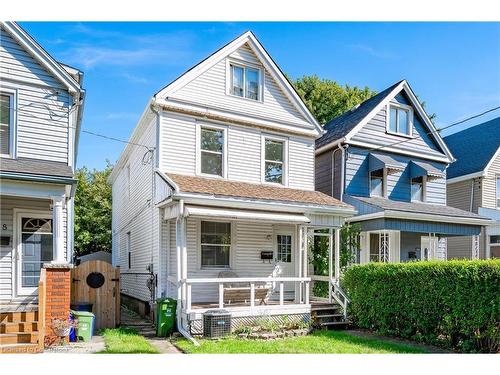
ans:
(319, 342)
(126, 341)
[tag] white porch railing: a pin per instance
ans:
(300, 298)
(335, 292)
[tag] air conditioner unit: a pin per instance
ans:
(216, 323)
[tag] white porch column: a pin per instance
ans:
(58, 230)
(178, 247)
(337, 254)
(330, 262)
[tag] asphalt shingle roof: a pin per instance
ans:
(35, 167)
(343, 124)
(415, 207)
(226, 188)
(473, 148)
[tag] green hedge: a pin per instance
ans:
(454, 304)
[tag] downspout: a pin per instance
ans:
(342, 169)
(180, 327)
(471, 195)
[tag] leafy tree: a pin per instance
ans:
(326, 99)
(92, 211)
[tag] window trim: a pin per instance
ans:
(399, 106)
(12, 93)
(224, 129)
(244, 65)
(273, 137)
(424, 190)
(384, 184)
(231, 245)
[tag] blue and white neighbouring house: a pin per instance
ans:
(473, 185)
(386, 158)
(41, 104)
(215, 194)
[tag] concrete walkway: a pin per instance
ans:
(94, 346)
(146, 328)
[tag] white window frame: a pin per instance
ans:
(12, 93)
(272, 137)
(384, 184)
(424, 190)
(231, 245)
(244, 65)
(399, 106)
(224, 129)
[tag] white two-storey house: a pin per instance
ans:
(41, 104)
(214, 199)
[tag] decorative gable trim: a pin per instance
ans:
(403, 86)
(35, 50)
(268, 63)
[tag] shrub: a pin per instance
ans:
(455, 304)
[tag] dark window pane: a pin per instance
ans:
(274, 150)
(237, 80)
(215, 256)
(252, 84)
(211, 163)
(5, 109)
(212, 140)
(274, 172)
(376, 186)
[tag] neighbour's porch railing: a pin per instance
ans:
(301, 298)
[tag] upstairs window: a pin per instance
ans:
(377, 183)
(400, 119)
(417, 189)
(274, 160)
(245, 82)
(5, 123)
(212, 151)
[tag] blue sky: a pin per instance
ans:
(453, 67)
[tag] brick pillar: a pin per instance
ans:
(58, 289)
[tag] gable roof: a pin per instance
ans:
(41, 56)
(474, 148)
(345, 126)
(261, 53)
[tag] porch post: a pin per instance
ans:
(330, 262)
(178, 244)
(305, 262)
(337, 254)
(184, 258)
(58, 230)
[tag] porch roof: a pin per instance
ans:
(236, 189)
(33, 167)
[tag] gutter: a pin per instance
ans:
(39, 178)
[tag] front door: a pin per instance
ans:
(34, 248)
(285, 263)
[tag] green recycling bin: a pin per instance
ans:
(85, 324)
(165, 316)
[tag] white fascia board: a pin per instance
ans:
(442, 159)
(227, 116)
(167, 179)
(496, 155)
(136, 134)
(388, 214)
(23, 38)
(237, 202)
(465, 177)
(265, 59)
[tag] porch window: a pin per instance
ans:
(400, 119)
(417, 189)
(274, 152)
(245, 82)
(5, 123)
(215, 244)
(284, 248)
(379, 247)
(37, 248)
(212, 151)
(377, 183)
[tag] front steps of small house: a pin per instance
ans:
(19, 329)
(328, 315)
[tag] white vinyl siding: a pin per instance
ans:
(489, 186)
(42, 104)
(210, 89)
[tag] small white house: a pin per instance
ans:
(215, 194)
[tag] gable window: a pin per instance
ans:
(274, 160)
(498, 191)
(215, 244)
(212, 151)
(400, 119)
(245, 81)
(417, 189)
(6, 121)
(377, 183)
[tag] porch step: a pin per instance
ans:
(339, 324)
(328, 315)
(12, 327)
(18, 338)
(20, 348)
(18, 316)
